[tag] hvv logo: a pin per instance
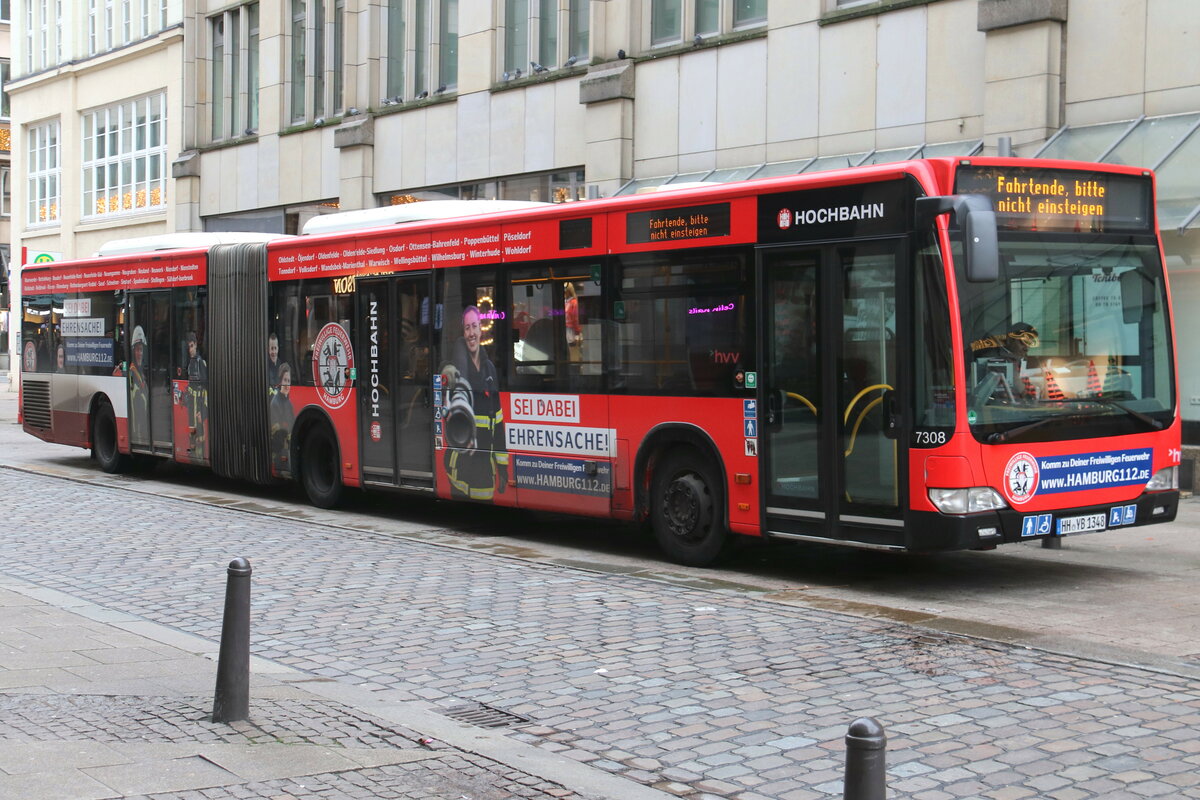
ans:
(721, 357)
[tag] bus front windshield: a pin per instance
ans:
(1071, 342)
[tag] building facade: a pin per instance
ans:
(139, 117)
(6, 320)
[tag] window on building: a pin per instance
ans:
(29, 9)
(317, 38)
(252, 67)
(5, 192)
(5, 74)
(45, 173)
(394, 48)
(299, 43)
(421, 44)
(125, 158)
(5, 11)
(112, 23)
(339, 54)
(675, 21)
(234, 71)
(318, 54)
(59, 36)
(532, 35)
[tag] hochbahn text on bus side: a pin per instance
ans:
(920, 356)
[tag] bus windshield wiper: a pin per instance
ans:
(1011, 433)
(1004, 436)
(1149, 422)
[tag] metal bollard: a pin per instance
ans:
(232, 699)
(866, 767)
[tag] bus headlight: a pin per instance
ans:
(966, 501)
(1163, 480)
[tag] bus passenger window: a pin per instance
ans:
(686, 326)
(556, 334)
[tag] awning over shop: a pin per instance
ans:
(1168, 145)
(778, 168)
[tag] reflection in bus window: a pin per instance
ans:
(556, 334)
(36, 334)
(686, 323)
(320, 306)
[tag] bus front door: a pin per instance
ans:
(830, 459)
(394, 380)
(149, 374)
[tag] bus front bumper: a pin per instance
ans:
(929, 531)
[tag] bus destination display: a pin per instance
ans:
(1061, 200)
(676, 224)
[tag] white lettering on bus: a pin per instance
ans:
(818, 216)
(373, 318)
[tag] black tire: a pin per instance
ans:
(687, 509)
(104, 441)
(319, 467)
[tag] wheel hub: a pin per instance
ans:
(686, 507)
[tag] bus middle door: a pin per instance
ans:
(831, 462)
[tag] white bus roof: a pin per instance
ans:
(410, 212)
(181, 241)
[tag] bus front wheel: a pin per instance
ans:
(319, 468)
(104, 441)
(687, 509)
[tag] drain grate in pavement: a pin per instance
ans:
(482, 716)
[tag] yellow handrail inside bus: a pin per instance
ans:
(858, 424)
(804, 400)
(858, 397)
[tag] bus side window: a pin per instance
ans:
(285, 324)
(536, 326)
(684, 323)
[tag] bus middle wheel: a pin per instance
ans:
(687, 510)
(319, 471)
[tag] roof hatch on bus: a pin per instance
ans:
(182, 241)
(410, 212)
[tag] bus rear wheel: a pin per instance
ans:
(104, 441)
(687, 509)
(319, 471)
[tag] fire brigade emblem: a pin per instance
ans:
(785, 219)
(1021, 478)
(333, 359)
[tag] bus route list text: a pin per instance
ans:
(93, 280)
(691, 226)
(457, 249)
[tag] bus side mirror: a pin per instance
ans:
(1133, 300)
(974, 215)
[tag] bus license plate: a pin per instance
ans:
(1084, 524)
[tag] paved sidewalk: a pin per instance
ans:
(101, 704)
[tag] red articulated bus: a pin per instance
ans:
(919, 356)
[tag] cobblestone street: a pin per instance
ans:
(695, 693)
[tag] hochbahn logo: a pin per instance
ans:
(785, 219)
(333, 358)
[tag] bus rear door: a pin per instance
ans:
(831, 459)
(396, 404)
(149, 374)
